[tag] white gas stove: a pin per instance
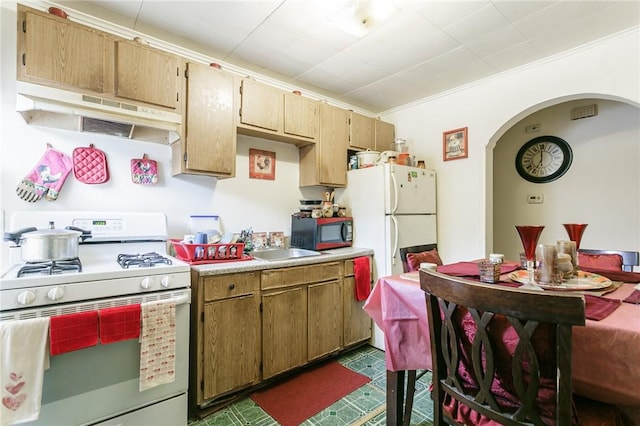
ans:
(142, 236)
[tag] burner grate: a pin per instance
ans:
(144, 260)
(51, 267)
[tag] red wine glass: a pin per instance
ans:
(529, 236)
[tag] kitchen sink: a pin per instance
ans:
(283, 254)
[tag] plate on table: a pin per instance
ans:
(584, 281)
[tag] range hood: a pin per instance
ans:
(51, 107)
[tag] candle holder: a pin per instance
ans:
(575, 231)
(529, 236)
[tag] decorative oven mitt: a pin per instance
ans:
(47, 178)
(90, 165)
(144, 171)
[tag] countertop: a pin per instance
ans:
(258, 265)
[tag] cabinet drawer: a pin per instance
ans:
(300, 275)
(348, 268)
(223, 286)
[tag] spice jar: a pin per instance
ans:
(392, 160)
(421, 164)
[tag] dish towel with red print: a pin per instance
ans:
(119, 323)
(23, 360)
(71, 332)
(362, 272)
(157, 344)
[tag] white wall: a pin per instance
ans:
(600, 188)
(608, 69)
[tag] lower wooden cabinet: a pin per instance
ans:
(226, 342)
(357, 323)
(252, 326)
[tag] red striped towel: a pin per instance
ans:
(362, 272)
(73, 331)
(119, 323)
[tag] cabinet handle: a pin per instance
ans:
(232, 286)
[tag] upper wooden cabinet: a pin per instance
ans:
(208, 144)
(300, 116)
(57, 52)
(385, 134)
(261, 105)
(361, 131)
(272, 113)
(147, 75)
(325, 163)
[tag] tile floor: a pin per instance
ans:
(364, 407)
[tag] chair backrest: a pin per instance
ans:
(500, 352)
(413, 249)
(629, 258)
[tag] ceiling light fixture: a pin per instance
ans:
(358, 17)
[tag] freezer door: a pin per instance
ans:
(407, 231)
(409, 190)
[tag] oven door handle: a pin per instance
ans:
(182, 299)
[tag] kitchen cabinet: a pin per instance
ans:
(271, 113)
(208, 144)
(225, 334)
(300, 116)
(300, 304)
(385, 134)
(57, 52)
(325, 163)
(147, 75)
(357, 323)
(361, 132)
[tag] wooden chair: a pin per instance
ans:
(412, 375)
(496, 351)
(404, 251)
(629, 258)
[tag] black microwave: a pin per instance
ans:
(321, 233)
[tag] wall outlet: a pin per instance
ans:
(535, 198)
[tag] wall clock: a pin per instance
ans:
(544, 159)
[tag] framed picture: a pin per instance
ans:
(262, 164)
(454, 144)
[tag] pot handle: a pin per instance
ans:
(85, 234)
(17, 236)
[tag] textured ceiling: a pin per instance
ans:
(426, 48)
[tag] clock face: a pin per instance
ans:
(544, 159)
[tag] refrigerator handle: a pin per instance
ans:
(394, 185)
(395, 240)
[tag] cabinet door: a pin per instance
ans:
(147, 75)
(325, 319)
(284, 330)
(231, 350)
(385, 135)
(333, 145)
(261, 105)
(300, 116)
(357, 323)
(60, 53)
(210, 133)
(362, 132)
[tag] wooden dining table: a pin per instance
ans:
(605, 358)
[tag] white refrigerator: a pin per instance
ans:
(392, 206)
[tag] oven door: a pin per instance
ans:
(100, 384)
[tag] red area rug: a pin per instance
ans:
(306, 394)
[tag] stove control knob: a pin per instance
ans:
(166, 282)
(55, 293)
(26, 297)
(146, 283)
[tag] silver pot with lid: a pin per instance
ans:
(45, 245)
